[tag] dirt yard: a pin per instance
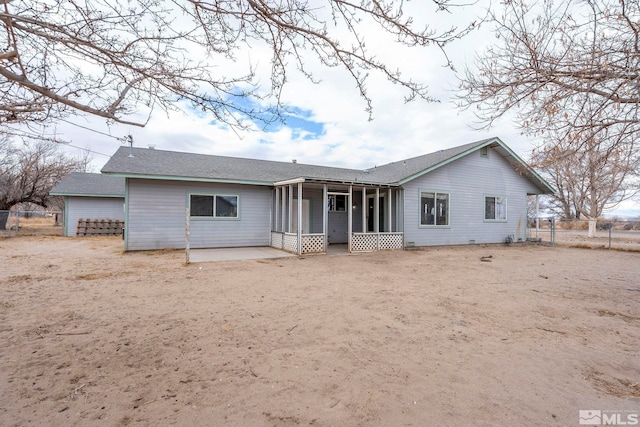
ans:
(478, 335)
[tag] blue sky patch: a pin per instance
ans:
(300, 123)
(297, 119)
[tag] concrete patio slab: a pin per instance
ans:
(232, 254)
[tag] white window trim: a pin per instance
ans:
(214, 217)
(506, 208)
(335, 196)
(435, 192)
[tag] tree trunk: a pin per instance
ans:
(592, 227)
(4, 216)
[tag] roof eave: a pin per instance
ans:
(69, 194)
(187, 178)
(530, 173)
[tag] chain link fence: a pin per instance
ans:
(31, 223)
(610, 233)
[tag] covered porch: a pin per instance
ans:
(364, 217)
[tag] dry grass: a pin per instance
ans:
(35, 226)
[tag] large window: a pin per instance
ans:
(216, 206)
(495, 208)
(434, 208)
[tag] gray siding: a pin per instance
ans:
(315, 197)
(90, 207)
(156, 216)
(468, 180)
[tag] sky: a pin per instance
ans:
(329, 124)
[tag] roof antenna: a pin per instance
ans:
(129, 140)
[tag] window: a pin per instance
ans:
(201, 205)
(495, 208)
(337, 203)
(226, 206)
(484, 151)
(215, 206)
(434, 208)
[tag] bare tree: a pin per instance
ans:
(570, 71)
(28, 172)
(112, 58)
(571, 68)
(589, 177)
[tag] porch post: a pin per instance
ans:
(325, 217)
(283, 203)
(389, 210)
(364, 209)
(350, 216)
(376, 212)
(537, 216)
(376, 218)
(401, 211)
(290, 209)
(276, 207)
(299, 214)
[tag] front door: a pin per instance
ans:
(371, 203)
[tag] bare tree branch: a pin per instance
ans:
(554, 58)
(109, 58)
(29, 171)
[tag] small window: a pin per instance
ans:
(201, 205)
(226, 206)
(206, 206)
(434, 208)
(337, 203)
(495, 208)
(484, 151)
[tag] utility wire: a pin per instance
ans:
(93, 130)
(84, 149)
(54, 139)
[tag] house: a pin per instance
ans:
(474, 193)
(90, 195)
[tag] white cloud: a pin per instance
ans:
(349, 139)
(398, 130)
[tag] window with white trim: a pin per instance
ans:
(495, 208)
(213, 206)
(434, 208)
(337, 203)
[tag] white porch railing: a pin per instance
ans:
(311, 243)
(366, 242)
(314, 243)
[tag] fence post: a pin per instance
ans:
(8, 225)
(553, 231)
(537, 216)
(187, 243)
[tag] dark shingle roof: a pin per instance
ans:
(397, 172)
(160, 164)
(90, 184)
(178, 165)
